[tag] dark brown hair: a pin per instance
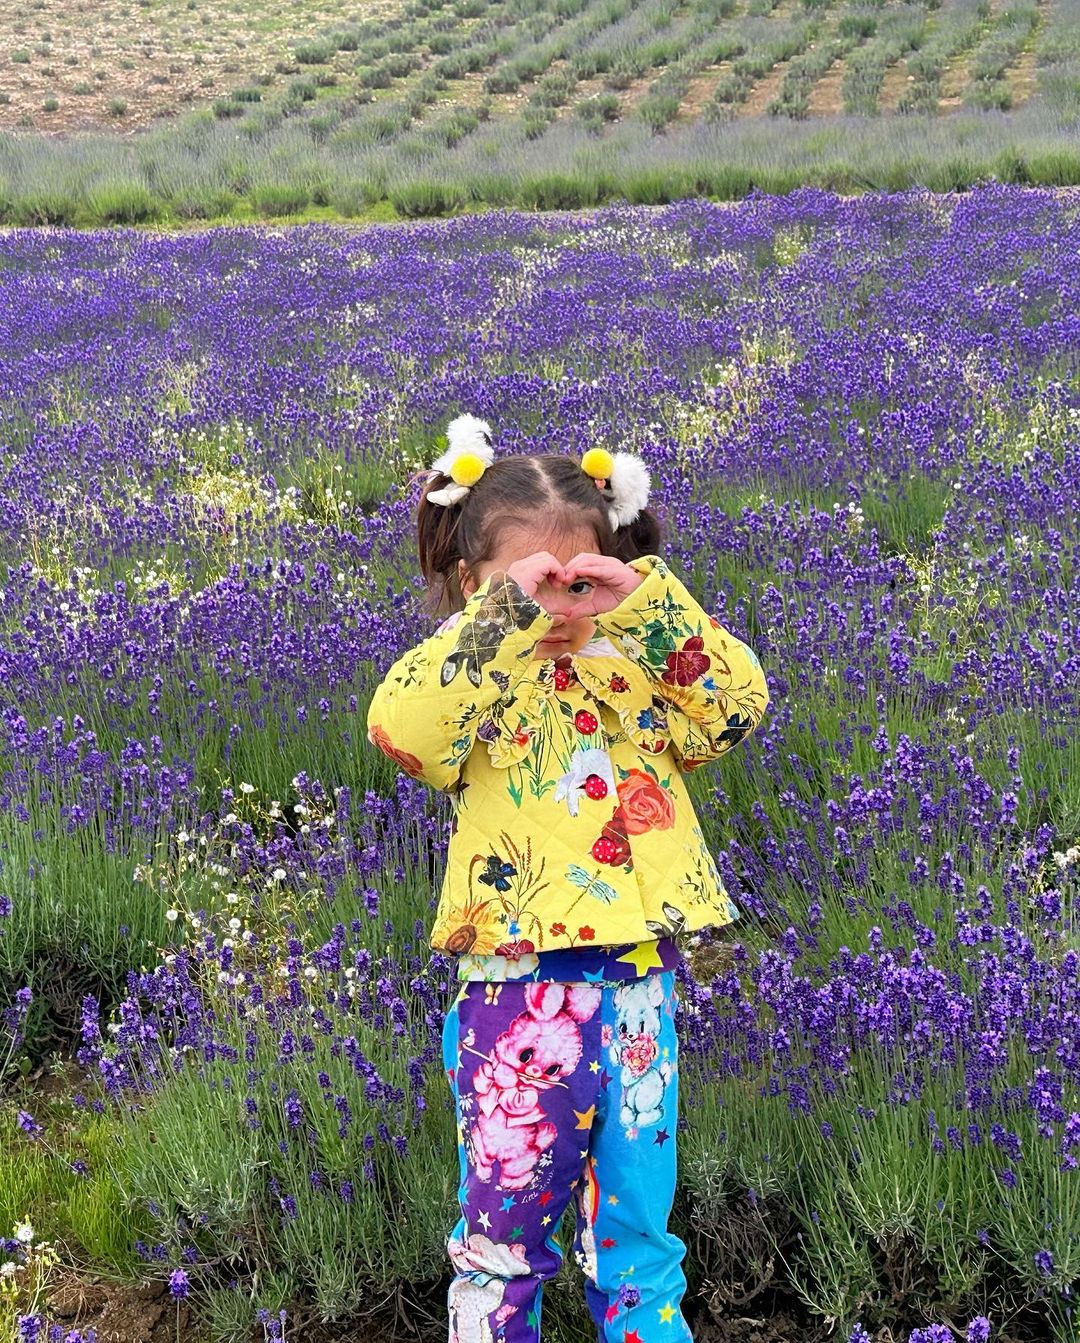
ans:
(517, 491)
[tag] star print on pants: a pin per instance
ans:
(661, 1137)
(633, 1337)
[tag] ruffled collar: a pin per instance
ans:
(607, 674)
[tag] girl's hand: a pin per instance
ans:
(529, 573)
(611, 581)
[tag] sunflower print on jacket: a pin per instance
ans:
(572, 825)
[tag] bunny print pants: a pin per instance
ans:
(565, 1090)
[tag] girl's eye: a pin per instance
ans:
(578, 585)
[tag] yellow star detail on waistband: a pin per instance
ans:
(644, 957)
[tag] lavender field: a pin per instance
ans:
(221, 1037)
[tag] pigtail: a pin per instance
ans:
(438, 547)
(643, 536)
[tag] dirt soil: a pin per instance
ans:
(148, 1315)
(158, 58)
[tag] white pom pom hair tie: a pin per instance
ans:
(466, 459)
(622, 479)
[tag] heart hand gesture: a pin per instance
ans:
(595, 583)
(610, 581)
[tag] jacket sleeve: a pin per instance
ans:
(425, 713)
(707, 683)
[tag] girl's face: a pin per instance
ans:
(566, 635)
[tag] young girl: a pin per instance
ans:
(573, 684)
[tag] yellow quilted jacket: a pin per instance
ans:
(572, 824)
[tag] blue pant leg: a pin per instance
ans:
(634, 1280)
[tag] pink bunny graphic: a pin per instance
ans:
(538, 1048)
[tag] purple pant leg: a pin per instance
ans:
(521, 1058)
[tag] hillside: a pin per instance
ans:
(437, 106)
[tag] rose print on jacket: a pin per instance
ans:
(541, 1046)
(409, 763)
(644, 801)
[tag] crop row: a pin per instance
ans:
(768, 43)
(900, 30)
(955, 31)
(987, 85)
(793, 96)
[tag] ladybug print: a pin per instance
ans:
(605, 850)
(596, 787)
(585, 722)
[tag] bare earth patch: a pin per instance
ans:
(156, 58)
(893, 86)
(1023, 77)
(701, 90)
(764, 91)
(825, 97)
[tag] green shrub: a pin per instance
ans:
(320, 126)
(117, 107)
(212, 203)
(374, 77)
(401, 63)
(535, 121)
(857, 25)
(556, 191)
(280, 198)
(419, 199)
(1054, 167)
(124, 203)
(44, 207)
(657, 110)
(314, 53)
(353, 197)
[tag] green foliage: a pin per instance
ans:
(314, 53)
(124, 202)
(418, 199)
(280, 198)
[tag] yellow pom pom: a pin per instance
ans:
(598, 463)
(467, 469)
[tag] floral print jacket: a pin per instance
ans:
(572, 823)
